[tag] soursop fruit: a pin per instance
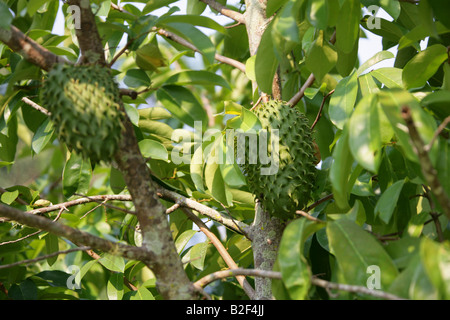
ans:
(84, 102)
(288, 188)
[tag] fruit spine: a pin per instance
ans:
(290, 188)
(84, 102)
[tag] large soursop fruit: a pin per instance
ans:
(290, 187)
(84, 102)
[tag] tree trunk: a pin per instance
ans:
(266, 230)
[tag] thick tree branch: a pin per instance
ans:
(29, 49)
(429, 172)
(77, 236)
(236, 16)
(91, 46)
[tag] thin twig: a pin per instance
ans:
(308, 83)
(221, 249)
(34, 105)
(308, 216)
(437, 133)
(354, 289)
(203, 282)
(429, 172)
(321, 108)
(236, 16)
(315, 204)
(44, 257)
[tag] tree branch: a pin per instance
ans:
(222, 251)
(429, 172)
(308, 83)
(203, 282)
(236, 16)
(29, 49)
(91, 46)
(215, 215)
(77, 236)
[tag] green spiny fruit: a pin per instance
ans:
(290, 187)
(84, 102)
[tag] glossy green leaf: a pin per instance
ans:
(112, 262)
(51, 246)
(436, 258)
(266, 62)
(9, 197)
(378, 57)
(295, 271)
(196, 20)
(340, 170)
(182, 104)
(142, 294)
(153, 149)
(149, 57)
(423, 66)
(136, 78)
(388, 201)
(76, 176)
(114, 287)
(390, 77)
(364, 133)
(156, 4)
(321, 58)
(356, 250)
(183, 239)
(347, 26)
(5, 16)
(274, 5)
(198, 254)
(42, 136)
(317, 13)
(343, 100)
(197, 77)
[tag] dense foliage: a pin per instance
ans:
(380, 209)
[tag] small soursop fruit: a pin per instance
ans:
(290, 187)
(84, 102)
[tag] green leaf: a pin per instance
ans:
(136, 78)
(116, 181)
(114, 287)
(388, 201)
(364, 133)
(321, 58)
(196, 169)
(274, 5)
(153, 149)
(266, 62)
(42, 136)
(213, 176)
(435, 258)
(295, 271)
(197, 255)
(423, 66)
(343, 100)
(317, 13)
(340, 170)
(195, 7)
(51, 246)
(197, 77)
(347, 26)
(390, 77)
(142, 294)
(76, 175)
(149, 57)
(183, 239)
(9, 196)
(25, 290)
(5, 16)
(112, 262)
(155, 4)
(195, 20)
(182, 104)
(356, 250)
(378, 57)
